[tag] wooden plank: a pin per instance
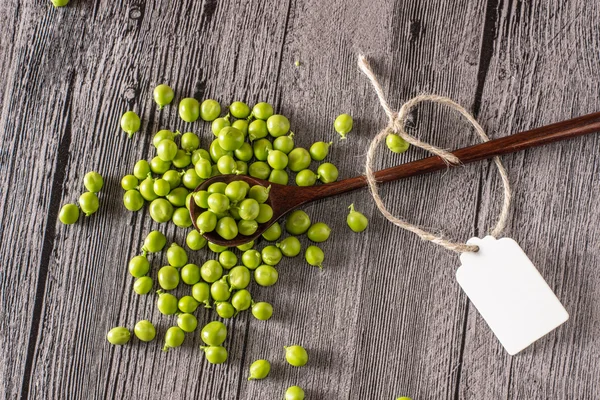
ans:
(541, 72)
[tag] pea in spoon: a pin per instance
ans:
(283, 198)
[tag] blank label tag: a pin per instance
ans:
(509, 293)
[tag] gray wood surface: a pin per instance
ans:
(385, 317)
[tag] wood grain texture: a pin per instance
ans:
(385, 317)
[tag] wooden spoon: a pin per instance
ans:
(283, 198)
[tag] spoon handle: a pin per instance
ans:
(509, 144)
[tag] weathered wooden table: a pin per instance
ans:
(385, 317)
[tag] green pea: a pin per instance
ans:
(200, 154)
(228, 259)
(173, 178)
(129, 182)
(239, 277)
(236, 190)
(203, 168)
(195, 241)
(215, 354)
(177, 196)
(210, 110)
(239, 109)
(93, 182)
(284, 144)
(201, 198)
(173, 338)
(294, 393)
(226, 165)
(241, 300)
(147, 189)
(318, 232)
(297, 223)
(201, 292)
(218, 203)
(290, 246)
(163, 95)
(216, 151)
(133, 200)
(176, 256)
(216, 248)
(272, 233)
(224, 309)
(161, 187)
(265, 213)
(130, 123)
(244, 152)
(277, 159)
(118, 335)
(214, 333)
(251, 259)
(343, 125)
(296, 355)
(69, 214)
(89, 204)
(139, 266)
(161, 135)
(161, 210)
(271, 255)
(262, 311)
(249, 209)
(306, 178)
(190, 141)
(190, 274)
(189, 200)
(246, 247)
(319, 150)
(261, 148)
(396, 144)
(262, 111)
(187, 322)
(230, 138)
(141, 169)
(278, 125)
(279, 176)
(259, 193)
(142, 285)
(242, 125)
(166, 150)
(227, 228)
(259, 369)
(403, 398)
(265, 275)
(145, 331)
(219, 290)
(314, 256)
(356, 221)
(158, 166)
(182, 218)
(189, 109)
(191, 180)
(327, 173)
(154, 242)
(211, 271)
(219, 124)
(299, 159)
(166, 303)
(60, 3)
(168, 277)
(187, 304)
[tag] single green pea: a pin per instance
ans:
(279, 176)
(189, 200)
(261, 148)
(161, 187)
(211, 271)
(272, 233)
(251, 259)
(290, 246)
(239, 109)
(219, 290)
(191, 180)
(89, 204)
(259, 193)
(241, 300)
(214, 333)
(166, 150)
(265, 275)
(141, 169)
(249, 209)
(262, 311)
(133, 200)
(201, 292)
(216, 151)
(265, 213)
(356, 220)
(161, 210)
(294, 393)
(168, 277)
(163, 95)
(129, 182)
(239, 278)
(226, 165)
(190, 141)
(218, 203)
(187, 322)
(314, 256)
(343, 125)
(217, 187)
(230, 138)
(296, 355)
(199, 154)
(189, 109)
(93, 182)
(277, 159)
(201, 198)
(69, 214)
(403, 398)
(162, 135)
(203, 168)
(298, 159)
(147, 189)
(181, 217)
(139, 266)
(257, 130)
(130, 123)
(246, 247)
(284, 144)
(224, 309)
(271, 255)
(173, 178)
(242, 125)
(118, 336)
(396, 144)
(143, 285)
(173, 338)
(318, 232)
(159, 166)
(145, 331)
(306, 178)
(215, 354)
(278, 125)
(177, 196)
(177, 256)
(190, 274)
(319, 150)
(262, 111)
(227, 228)
(195, 241)
(228, 259)
(216, 248)
(236, 190)
(244, 152)
(219, 124)
(297, 223)
(60, 3)
(187, 304)
(166, 303)
(327, 173)
(154, 242)
(259, 369)
(210, 110)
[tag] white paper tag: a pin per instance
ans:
(509, 293)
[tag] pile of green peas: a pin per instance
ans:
(88, 201)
